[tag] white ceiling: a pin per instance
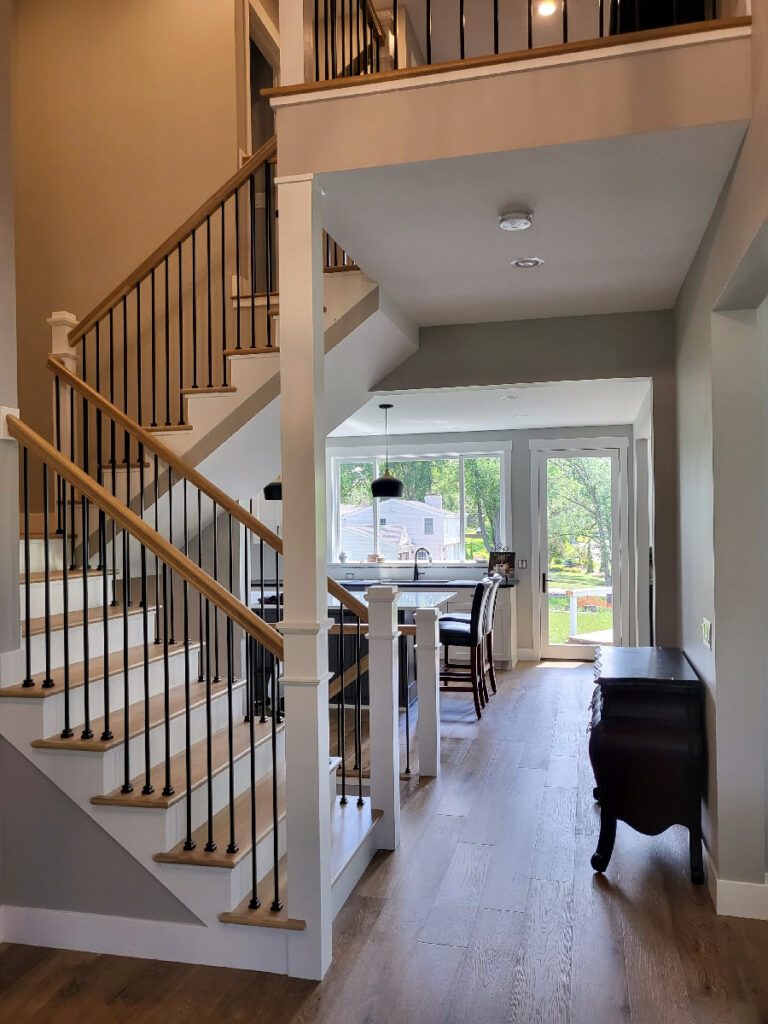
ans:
(583, 403)
(618, 222)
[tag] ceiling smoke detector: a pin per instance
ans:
(527, 262)
(516, 220)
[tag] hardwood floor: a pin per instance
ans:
(488, 912)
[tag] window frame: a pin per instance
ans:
(373, 452)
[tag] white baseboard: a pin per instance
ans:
(737, 899)
(526, 654)
(262, 949)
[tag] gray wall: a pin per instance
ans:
(53, 855)
(628, 345)
(711, 405)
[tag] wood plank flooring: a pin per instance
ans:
(487, 913)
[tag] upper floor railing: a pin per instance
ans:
(356, 39)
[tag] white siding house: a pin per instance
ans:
(426, 524)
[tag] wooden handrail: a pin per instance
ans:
(152, 443)
(266, 152)
(511, 57)
(152, 541)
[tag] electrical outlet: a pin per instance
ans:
(706, 633)
(522, 563)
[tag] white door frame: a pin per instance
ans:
(541, 450)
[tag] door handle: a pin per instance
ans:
(543, 583)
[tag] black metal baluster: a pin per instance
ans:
(232, 847)
(262, 678)
(429, 31)
(168, 789)
(325, 39)
(223, 298)
(72, 499)
(153, 350)
(530, 24)
(565, 20)
(87, 733)
(217, 677)
(125, 354)
(157, 563)
(194, 309)
(268, 247)
(276, 902)
(59, 478)
(461, 29)
(201, 674)
(351, 40)
(170, 541)
(495, 26)
(127, 598)
(343, 40)
(112, 451)
(252, 195)
(359, 717)
(181, 337)
(394, 26)
(254, 902)
(357, 36)
(210, 844)
(127, 786)
(317, 41)
(107, 733)
(334, 68)
(66, 732)
(147, 787)
(342, 710)
(237, 266)
(601, 15)
(28, 680)
(210, 304)
(139, 375)
(249, 702)
(167, 349)
(47, 681)
(189, 843)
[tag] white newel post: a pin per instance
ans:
(428, 676)
(306, 622)
(383, 685)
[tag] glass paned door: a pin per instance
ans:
(579, 553)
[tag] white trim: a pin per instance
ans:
(737, 899)
(217, 946)
(292, 179)
(512, 68)
(541, 444)
(527, 654)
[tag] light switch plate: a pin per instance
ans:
(522, 563)
(706, 633)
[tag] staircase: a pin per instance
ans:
(151, 692)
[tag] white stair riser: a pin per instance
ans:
(53, 706)
(112, 761)
(56, 588)
(37, 554)
(95, 639)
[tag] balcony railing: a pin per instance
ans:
(351, 38)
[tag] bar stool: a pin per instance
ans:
(487, 666)
(467, 634)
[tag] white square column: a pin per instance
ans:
(428, 676)
(383, 687)
(306, 623)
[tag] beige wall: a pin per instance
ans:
(125, 119)
(572, 348)
(736, 732)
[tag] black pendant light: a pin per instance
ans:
(274, 490)
(386, 486)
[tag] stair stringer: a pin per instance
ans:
(139, 832)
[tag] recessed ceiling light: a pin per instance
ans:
(527, 262)
(516, 220)
(546, 8)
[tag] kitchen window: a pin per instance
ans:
(451, 505)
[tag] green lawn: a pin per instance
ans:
(588, 622)
(572, 578)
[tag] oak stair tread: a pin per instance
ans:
(259, 350)
(350, 825)
(219, 758)
(95, 670)
(177, 704)
(37, 626)
(219, 858)
(265, 917)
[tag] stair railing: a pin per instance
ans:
(135, 623)
(164, 332)
(229, 542)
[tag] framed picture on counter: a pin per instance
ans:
(502, 562)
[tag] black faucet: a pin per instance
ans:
(416, 573)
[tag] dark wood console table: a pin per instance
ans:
(647, 746)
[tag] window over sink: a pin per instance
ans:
(451, 506)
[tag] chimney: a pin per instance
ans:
(435, 500)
